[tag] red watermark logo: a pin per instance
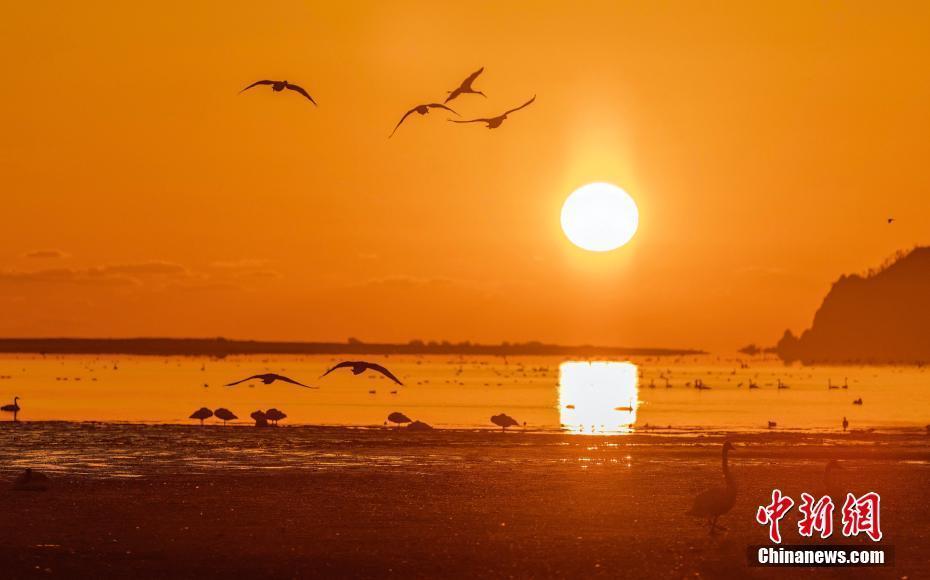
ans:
(860, 515)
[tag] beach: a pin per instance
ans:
(183, 501)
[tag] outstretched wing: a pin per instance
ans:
(466, 84)
(256, 83)
(300, 90)
(293, 382)
(407, 114)
(441, 106)
(470, 121)
(384, 371)
(526, 104)
(342, 365)
(253, 377)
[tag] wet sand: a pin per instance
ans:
(443, 504)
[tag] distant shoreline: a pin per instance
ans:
(222, 347)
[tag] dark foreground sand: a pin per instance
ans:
(452, 505)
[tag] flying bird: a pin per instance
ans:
(466, 87)
(717, 501)
(421, 109)
(269, 378)
(278, 86)
(495, 122)
(360, 366)
(891, 220)
(14, 408)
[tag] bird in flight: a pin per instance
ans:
(360, 366)
(421, 109)
(278, 86)
(495, 122)
(890, 220)
(465, 87)
(269, 378)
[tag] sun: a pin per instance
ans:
(599, 217)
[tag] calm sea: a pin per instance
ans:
(547, 393)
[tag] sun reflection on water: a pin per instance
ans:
(598, 397)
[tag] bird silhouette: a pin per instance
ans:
(274, 415)
(419, 426)
(421, 109)
(503, 421)
(891, 220)
(466, 87)
(717, 501)
(399, 418)
(202, 413)
(224, 415)
(845, 423)
(261, 420)
(495, 122)
(14, 408)
(857, 401)
(278, 86)
(360, 366)
(30, 480)
(772, 424)
(269, 378)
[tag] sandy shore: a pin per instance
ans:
(451, 505)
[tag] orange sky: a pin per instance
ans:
(765, 144)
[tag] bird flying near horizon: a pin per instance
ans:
(421, 109)
(360, 366)
(495, 122)
(466, 87)
(278, 86)
(269, 378)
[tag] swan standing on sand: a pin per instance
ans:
(202, 413)
(715, 502)
(261, 420)
(14, 408)
(399, 418)
(503, 421)
(224, 415)
(274, 416)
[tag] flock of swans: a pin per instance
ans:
(465, 87)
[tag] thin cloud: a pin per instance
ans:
(45, 254)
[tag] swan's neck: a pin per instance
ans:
(726, 470)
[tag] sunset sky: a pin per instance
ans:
(764, 143)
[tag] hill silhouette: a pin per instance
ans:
(882, 317)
